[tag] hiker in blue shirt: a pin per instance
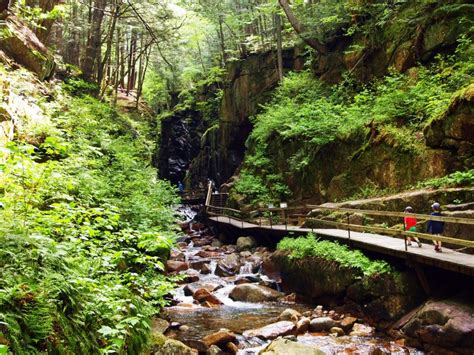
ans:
(436, 227)
(180, 188)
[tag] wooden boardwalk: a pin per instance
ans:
(449, 259)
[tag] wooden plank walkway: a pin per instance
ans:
(449, 259)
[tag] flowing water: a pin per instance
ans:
(238, 317)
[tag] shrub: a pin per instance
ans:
(310, 246)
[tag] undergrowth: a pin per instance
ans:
(456, 179)
(310, 246)
(86, 226)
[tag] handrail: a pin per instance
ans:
(354, 227)
(396, 214)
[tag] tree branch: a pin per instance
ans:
(299, 28)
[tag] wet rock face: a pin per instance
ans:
(180, 142)
(446, 324)
(215, 152)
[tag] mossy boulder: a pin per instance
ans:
(20, 43)
(162, 345)
(384, 297)
(455, 128)
(313, 277)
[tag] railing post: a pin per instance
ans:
(406, 242)
(348, 227)
(271, 220)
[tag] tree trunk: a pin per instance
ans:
(278, 30)
(144, 60)
(110, 37)
(299, 28)
(200, 56)
(72, 51)
(131, 62)
(45, 25)
(94, 41)
(222, 41)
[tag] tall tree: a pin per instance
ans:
(94, 40)
(300, 29)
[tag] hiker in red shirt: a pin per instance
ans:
(410, 225)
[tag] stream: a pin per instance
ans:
(206, 263)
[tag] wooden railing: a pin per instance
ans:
(301, 215)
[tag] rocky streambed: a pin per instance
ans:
(228, 304)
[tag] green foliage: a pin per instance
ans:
(77, 87)
(86, 228)
(310, 246)
(456, 179)
(305, 115)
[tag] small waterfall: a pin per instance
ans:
(213, 266)
(246, 268)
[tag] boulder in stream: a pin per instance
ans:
(272, 331)
(303, 325)
(215, 350)
(254, 293)
(223, 271)
(203, 296)
(206, 270)
(348, 322)
(448, 324)
(220, 338)
(161, 345)
(362, 330)
(189, 275)
(177, 255)
(322, 324)
(160, 325)
(288, 347)
(191, 288)
(290, 314)
(246, 243)
(176, 266)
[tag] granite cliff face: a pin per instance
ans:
(194, 150)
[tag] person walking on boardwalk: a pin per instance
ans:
(410, 225)
(436, 227)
